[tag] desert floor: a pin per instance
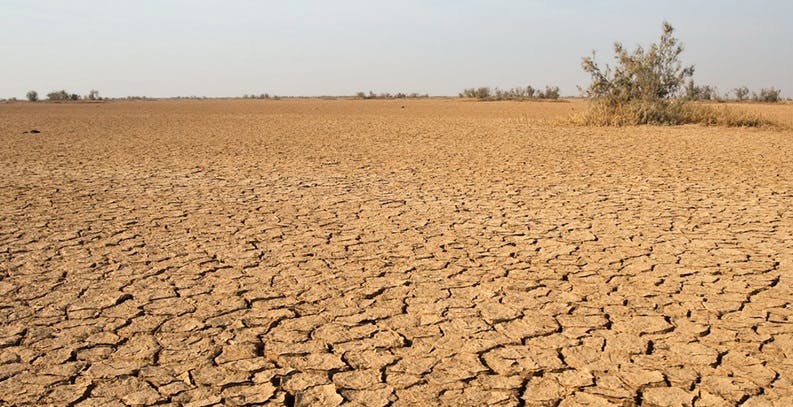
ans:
(418, 252)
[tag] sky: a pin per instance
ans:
(214, 48)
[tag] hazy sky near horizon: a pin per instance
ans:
(162, 48)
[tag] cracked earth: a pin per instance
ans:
(389, 253)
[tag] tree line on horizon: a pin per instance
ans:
(740, 94)
(387, 95)
(517, 93)
(62, 95)
(691, 92)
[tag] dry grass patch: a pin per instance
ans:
(669, 112)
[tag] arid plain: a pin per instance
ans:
(417, 252)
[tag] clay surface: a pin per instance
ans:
(328, 252)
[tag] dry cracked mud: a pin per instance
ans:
(389, 253)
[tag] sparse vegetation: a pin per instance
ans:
(62, 95)
(741, 93)
(711, 115)
(701, 92)
(386, 95)
(551, 92)
(768, 95)
(517, 93)
(647, 87)
(476, 93)
(59, 95)
(675, 112)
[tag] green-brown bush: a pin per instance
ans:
(647, 87)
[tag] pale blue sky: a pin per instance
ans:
(232, 47)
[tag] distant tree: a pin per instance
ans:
(74, 96)
(741, 93)
(468, 93)
(32, 96)
(388, 95)
(531, 92)
(700, 92)
(550, 93)
(58, 95)
(517, 93)
(93, 95)
(770, 95)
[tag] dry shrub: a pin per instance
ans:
(722, 116)
(646, 87)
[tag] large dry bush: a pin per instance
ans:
(646, 86)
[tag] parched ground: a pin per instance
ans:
(390, 252)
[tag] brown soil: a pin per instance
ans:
(390, 252)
